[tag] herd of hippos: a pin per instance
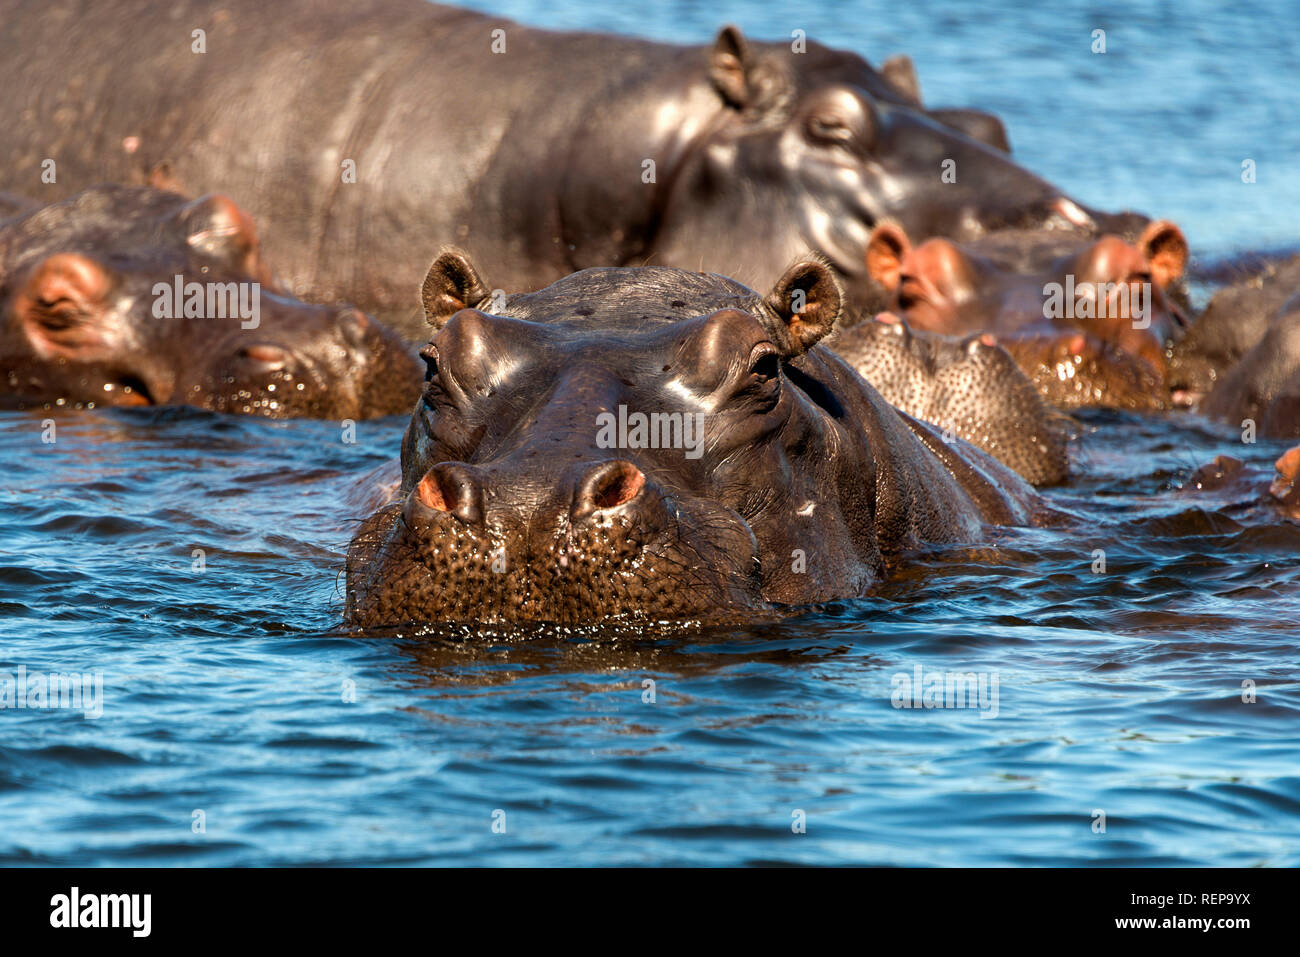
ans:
(709, 330)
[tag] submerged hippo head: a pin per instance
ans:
(1230, 479)
(1094, 316)
(646, 442)
(970, 387)
(812, 148)
(133, 296)
(1262, 391)
(1233, 323)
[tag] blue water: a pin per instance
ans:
(232, 691)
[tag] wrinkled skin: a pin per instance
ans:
(1233, 323)
(532, 159)
(78, 325)
(1264, 385)
(511, 507)
(1233, 482)
(1100, 350)
(970, 388)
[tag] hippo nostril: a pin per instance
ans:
(431, 492)
(607, 486)
(451, 488)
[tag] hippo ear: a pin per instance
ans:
(452, 284)
(1165, 248)
(62, 303)
(730, 65)
(978, 125)
(805, 303)
(218, 228)
(886, 247)
(900, 73)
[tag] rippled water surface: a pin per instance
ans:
(233, 691)
(224, 689)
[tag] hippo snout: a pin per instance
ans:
(476, 498)
(594, 539)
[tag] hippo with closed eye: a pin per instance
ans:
(650, 442)
(354, 130)
(128, 295)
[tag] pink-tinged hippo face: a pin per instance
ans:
(134, 296)
(1095, 315)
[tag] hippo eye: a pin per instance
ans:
(766, 366)
(430, 356)
(828, 128)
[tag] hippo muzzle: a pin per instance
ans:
(604, 541)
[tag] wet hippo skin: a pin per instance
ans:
(1236, 319)
(355, 132)
(1263, 387)
(91, 314)
(969, 387)
(799, 482)
(1090, 321)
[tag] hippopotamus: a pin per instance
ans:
(969, 387)
(1238, 485)
(354, 131)
(1236, 319)
(128, 295)
(1264, 385)
(1088, 320)
(648, 442)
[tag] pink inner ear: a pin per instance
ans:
(1165, 249)
(59, 304)
(887, 250)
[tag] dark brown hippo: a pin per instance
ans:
(1263, 386)
(1234, 322)
(1089, 321)
(127, 295)
(353, 131)
(970, 388)
(1236, 484)
(649, 442)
